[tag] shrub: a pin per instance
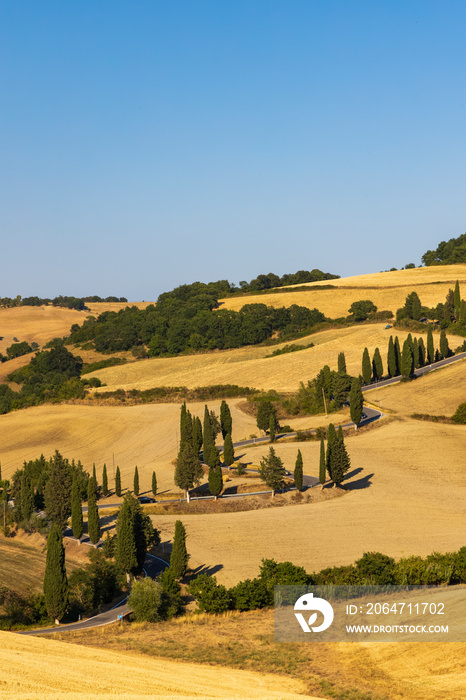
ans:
(460, 414)
(148, 601)
(210, 596)
(251, 594)
(376, 568)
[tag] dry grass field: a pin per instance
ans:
(250, 367)
(46, 669)
(388, 290)
(405, 495)
(346, 671)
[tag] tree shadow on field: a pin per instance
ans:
(107, 522)
(363, 483)
(203, 569)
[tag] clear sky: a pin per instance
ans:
(149, 143)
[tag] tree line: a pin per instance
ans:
(447, 252)
(67, 302)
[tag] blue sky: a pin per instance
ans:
(146, 144)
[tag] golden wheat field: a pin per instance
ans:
(250, 367)
(388, 291)
(404, 495)
(51, 669)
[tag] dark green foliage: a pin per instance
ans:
(360, 310)
(210, 597)
(272, 471)
(342, 462)
(447, 252)
(457, 300)
(377, 366)
(136, 482)
(272, 423)
(430, 346)
(197, 434)
(415, 353)
(397, 355)
(322, 463)
(298, 471)
(179, 554)
(444, 347)
(148, 601)
(108, 545)
(118, 482)
(27, 497)
(172, 590)
(282, 574)
(332, 449)
(266, 413)
(421, 353)
(391, 359)
(208, 438)
(93, 520)
(460, 414)
(407, 360)
(102, 364)
(341, 363)
(95, 584)
(154, 484)
(225, 419)
(375, 568)
(250, 595)
(215, 479)
(104, 481)
(76, 511)
(57, 491)
(356, 402)
(228, 451)
(188, 470)
(411, 309)
(125, 552)
(366, 367)
(55, 579)
(18, 349)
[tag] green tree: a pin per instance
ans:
(197, 434)
(104, 481)
(136, 482)
(322, 464)
(457, 300)
(444, 347)
(55, 579)
(179, 554)
(125, 553)
(118, 482)
(93, 520)
(225, 419)
(228, 451)
(27, 497)
(272, 471)
(272, 427)
(377, 366)
(356, 400)
(148, 601)
(366, 367)
(154, 484)
(361, 309)
(421, 353)
(208, 436)
(76, 511)
(407, 360)
(188, 470)
(215, 480)
(430, 346)
(398, 356)
(108, 546)
(391, 358)
(342, 461)
(298, 471)
(58, 491)
(332, 449)
(265, 410)
(341, 363)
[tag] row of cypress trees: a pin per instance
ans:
(334, 461)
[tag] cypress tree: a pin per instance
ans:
(215, 480)
(136, 481)
(118, 482)
(27, 497)
(341, 363)
(366, 367)
(208, 436)
(415, 353)
(342, 460)
(322, 465)
(356, 402)
(391, 358)
(457, 301)
(94, 476)
(214, 459)
(55, 580)
(104, 481)
(398, 356)
(298, 471)
(463, 311)
(331, 450)
(421, 353)
(272, 470)
(197, 434)
(377, 366)
(228, 451)
(108, 546)
(225, 419)
(444, 348)
(93, 521)
(154, 484)
(125, 552)
(407, 361)
(272, 427)
(58, 491)
(188, 470)
(179, 555)
(430, 346)
(76, 511)
(182, 422)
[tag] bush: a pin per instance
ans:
(210, 597)
(148, 601)
(460, 414)
(251, 594)
(376, 568)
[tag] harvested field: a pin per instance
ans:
(437, 393)
(370, 671)
(54, 669)
(388, 290)
(249, 366)
(401, 499)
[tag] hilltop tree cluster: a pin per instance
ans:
(447, 252)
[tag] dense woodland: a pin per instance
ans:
(447, 252)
